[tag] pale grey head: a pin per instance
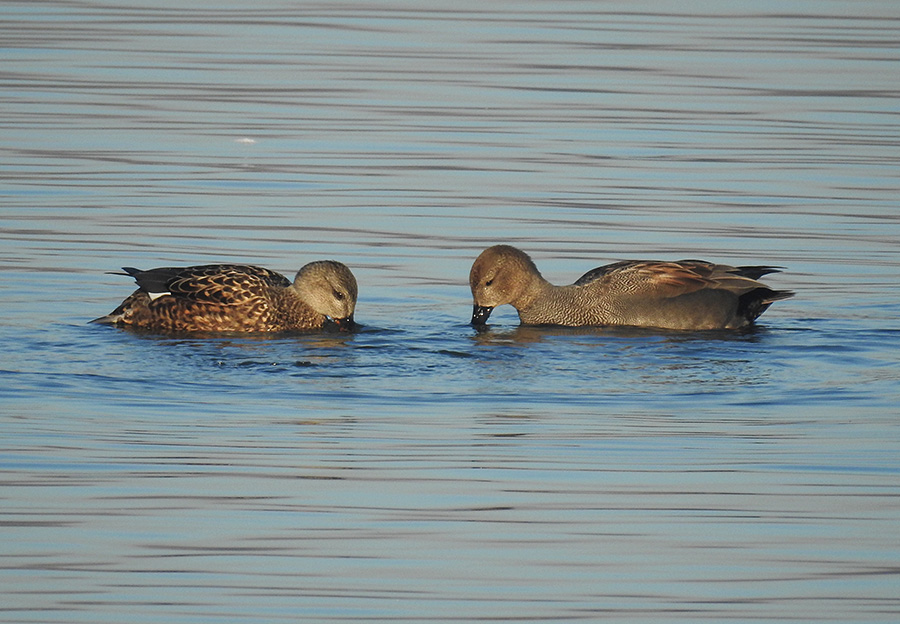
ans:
(330, 289)
(501, 274)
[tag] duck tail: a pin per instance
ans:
(756, 272)
(753, 303)
(109, 319)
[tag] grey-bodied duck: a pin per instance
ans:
(687, 294)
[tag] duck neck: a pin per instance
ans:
(543, 303)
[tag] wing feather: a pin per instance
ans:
(663, 279)
(224, 284)
(672, 279)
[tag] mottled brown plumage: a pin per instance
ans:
(688, 294)
(237, 298)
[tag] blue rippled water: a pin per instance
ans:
(417, 469)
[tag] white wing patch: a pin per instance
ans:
(155, 296)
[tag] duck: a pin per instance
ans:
(237, 298)
(680, 295)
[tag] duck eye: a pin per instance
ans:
(338, 295)
(489, 282)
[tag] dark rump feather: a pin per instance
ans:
(752, 304)
(154, 280)
(756, 272)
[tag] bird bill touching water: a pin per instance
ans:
(687, 294)
(237, 298)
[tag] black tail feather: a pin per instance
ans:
(753, 303)
(756, 272)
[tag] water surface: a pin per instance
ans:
(419, 470)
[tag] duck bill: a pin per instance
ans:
(345, 324)
(480, 314)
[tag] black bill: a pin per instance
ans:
(346, 323)
(480, 314)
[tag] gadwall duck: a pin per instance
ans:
(237, 298)
(689, 294)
